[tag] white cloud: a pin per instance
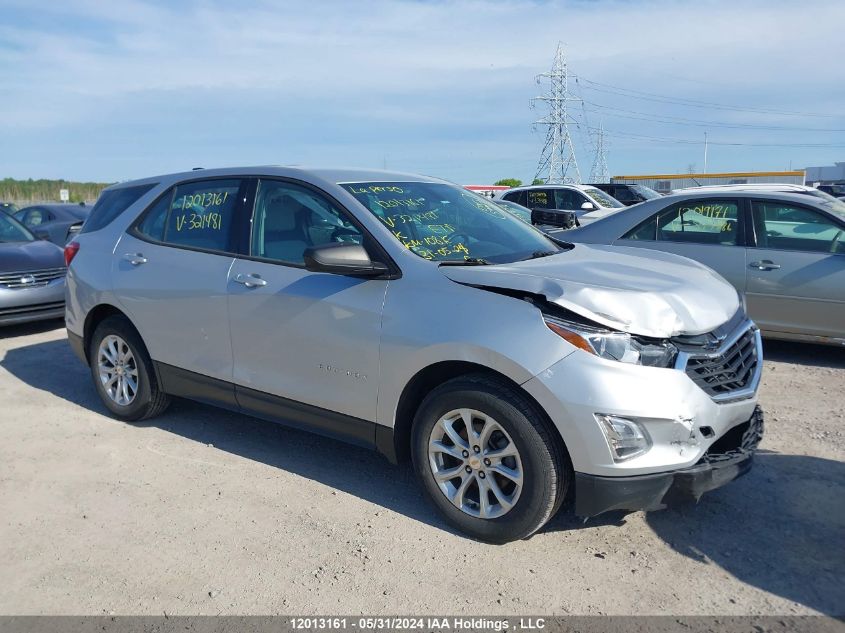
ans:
(405, 62)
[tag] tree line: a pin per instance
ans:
(44, 190)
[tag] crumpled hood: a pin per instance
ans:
(22, 256)
(640, 291)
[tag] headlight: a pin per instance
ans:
(614, 345)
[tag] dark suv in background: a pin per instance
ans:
(627, 194)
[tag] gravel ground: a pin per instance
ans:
(206, 512)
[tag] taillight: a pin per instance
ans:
(70, 252)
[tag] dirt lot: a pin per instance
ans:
(206, 512)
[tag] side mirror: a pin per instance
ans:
(588, 206)
(342, 259)
(41, 235)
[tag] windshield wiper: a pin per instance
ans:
(539, 254)
(470, 261)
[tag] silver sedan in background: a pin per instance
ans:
(785, 251)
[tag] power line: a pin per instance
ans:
(629, 135)
(648, 96)
(644, 116)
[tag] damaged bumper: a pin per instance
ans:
(728, 458)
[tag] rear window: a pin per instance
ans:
(111, 204)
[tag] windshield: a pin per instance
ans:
(603, 199)
(13, 231)
(516, 209)
(646, 192)
(835, 206)
(443, 223)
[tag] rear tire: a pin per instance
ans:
(499, 478)
(123, 372)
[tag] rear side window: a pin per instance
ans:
(540, 199)
(194, 215)
(111, 204)
(699, 222)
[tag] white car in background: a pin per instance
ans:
(587, 202)
(776, 187)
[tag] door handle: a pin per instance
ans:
(250, 281)
(765, 264)
(136, 259)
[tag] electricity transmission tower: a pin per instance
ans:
(600, 172)
(557, 161)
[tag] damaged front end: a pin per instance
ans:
(728, 458)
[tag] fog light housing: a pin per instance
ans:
(626, 438)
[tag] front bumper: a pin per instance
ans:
(729, 458)
(32, 304)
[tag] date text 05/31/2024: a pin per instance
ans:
(417, 623)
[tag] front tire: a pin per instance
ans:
(487, 459)
(123, 372)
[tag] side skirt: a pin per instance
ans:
(194, 386)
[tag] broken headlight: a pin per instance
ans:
(613, 345)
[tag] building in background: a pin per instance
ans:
(833, 174)
(666, 183)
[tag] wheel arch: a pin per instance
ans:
(96, 316)
(395, 443)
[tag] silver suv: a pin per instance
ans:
(406, 314)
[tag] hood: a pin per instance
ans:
(23, 256)
(634, 290)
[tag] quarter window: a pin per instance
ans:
(518, 197)
(789, 227)
(289, 218)
(111, 204)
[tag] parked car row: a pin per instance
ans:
(781, 245)
(406, 314)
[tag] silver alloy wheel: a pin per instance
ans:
(118, 370)
(475, 463)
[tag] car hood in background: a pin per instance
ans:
(647, 293)
(23, 256)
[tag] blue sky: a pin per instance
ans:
(119, 89)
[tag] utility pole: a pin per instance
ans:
(557, 161)
(600, 172)
(705, 152)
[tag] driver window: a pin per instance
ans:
(288, 219)
(785, 226)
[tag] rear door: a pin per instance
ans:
(796, 270)
(170, 271)
(710, 231)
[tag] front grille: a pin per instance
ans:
(730, 370)
(33, 310)
(31, 278)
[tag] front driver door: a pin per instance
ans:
(299, 336)
(796, 272)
